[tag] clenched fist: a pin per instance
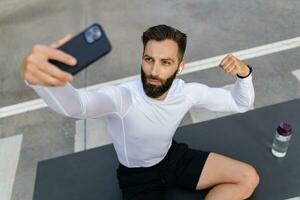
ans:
(37, 70)
(232, 65)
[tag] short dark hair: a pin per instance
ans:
(162, 32)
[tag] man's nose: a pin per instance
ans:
(155, 70)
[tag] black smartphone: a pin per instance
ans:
(87, 47)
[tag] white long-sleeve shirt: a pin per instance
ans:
(140, 127)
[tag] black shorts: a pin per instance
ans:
(181, 167)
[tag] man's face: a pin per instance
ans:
(160, 64)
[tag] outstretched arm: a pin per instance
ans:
(52, 84)
(78, 103)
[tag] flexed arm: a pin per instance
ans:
(239, 99)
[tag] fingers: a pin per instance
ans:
(36, 68)
(45, 79)
(35, 77)
(60, 42)
(229, 64)
(233, 71)
(229, 58)
(226, 59)
(32, 79)
(41, 72)
(56, 72)
(54, 54)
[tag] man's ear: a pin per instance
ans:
(181, 66)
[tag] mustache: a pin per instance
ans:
(154, 78)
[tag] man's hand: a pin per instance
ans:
(232, 65)
(37, 70)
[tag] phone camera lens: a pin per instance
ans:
(93, 34)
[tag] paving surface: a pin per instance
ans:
(213, 28)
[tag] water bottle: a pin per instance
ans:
(281, 140)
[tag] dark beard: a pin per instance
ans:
(154, 91)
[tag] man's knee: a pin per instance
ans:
(249, 180)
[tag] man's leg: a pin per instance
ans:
(230, 179)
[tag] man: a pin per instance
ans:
(142, 116)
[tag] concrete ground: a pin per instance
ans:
(213, 27)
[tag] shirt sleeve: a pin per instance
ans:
(239, 99)
(79, 103)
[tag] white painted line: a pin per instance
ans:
(9, 157)
(20, 108)
(190, 67)
(296, 73)
(244, 54)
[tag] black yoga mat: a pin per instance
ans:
(90, 175)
